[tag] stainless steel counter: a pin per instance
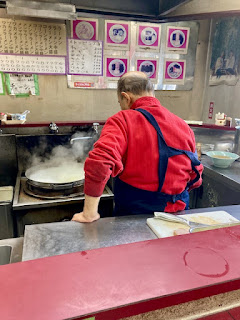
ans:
(229, 176)
(44, 240)
(49, 239)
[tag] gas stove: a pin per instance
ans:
(26, 196)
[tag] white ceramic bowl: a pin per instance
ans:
(222, 159)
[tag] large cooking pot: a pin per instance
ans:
(62, 177)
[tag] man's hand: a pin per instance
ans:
(90, 210)
(81, 217)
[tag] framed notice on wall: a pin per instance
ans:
(2, 87)
(85, 29)
(148, 66)
(31, 37)
(174, 71)
(85, 57)
(117, 35)
(148, 37)
(22, 84)
(115, 67)
(177, 40)
(14, 63)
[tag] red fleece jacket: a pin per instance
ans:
(128, 147)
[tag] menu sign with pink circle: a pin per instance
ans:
(85, 29)
(115, 67)
(117, 34)
(174, 71)
(177, 39)
(148, 37)
(148, 66)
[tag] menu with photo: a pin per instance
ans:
(115, 67)
(13, 63)
(174, 71)
(148, 66)
(31, 37)
(85, 57)
(177, 40)
(148, 37)
(117, 35)
(85, 29)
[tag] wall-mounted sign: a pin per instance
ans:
(115, 67)
(32, 37)
(2, 86)
(22, 84)
(85, 29)
(148, 66)
(14, 63)
(148, 37)
(117, 34)
(85, 57)
(177, 40)
(174, 71)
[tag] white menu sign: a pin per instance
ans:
(31, 37)
(85, 57)
(32, 64)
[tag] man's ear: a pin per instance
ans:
(127, 97)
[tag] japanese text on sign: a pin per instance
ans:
(85, 57)
(32, 64)
(28, 37)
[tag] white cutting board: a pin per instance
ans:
(164, 229)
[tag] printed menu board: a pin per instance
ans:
(85, 57)
(32, 64)
(30, 37)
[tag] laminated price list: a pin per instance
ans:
(85, 57)
(32, 64)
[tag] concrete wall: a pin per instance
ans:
(206, 6)
(59, 103)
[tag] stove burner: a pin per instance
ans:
(41, 193)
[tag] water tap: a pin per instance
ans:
(95, 126)
(53, 128)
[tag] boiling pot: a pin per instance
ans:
(62, 177)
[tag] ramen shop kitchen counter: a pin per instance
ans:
(229, 176)
(66, 237)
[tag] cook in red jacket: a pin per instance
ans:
(149, 150)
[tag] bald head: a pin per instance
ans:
(135, 82)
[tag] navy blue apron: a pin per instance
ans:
(131, 200)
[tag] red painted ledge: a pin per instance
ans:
(125, 280)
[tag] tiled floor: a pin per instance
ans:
(233, 314)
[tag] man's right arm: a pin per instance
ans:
(106, 157)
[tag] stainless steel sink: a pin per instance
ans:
(5, 254)
(10, 250)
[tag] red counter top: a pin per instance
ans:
(116, 282)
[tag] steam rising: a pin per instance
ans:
(62, 155)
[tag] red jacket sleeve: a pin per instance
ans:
(106, 157)
(199, 168)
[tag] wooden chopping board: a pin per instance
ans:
(164, 229)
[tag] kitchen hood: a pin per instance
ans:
(40, 9)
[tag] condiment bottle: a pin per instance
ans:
(199, 152)
(3, 116)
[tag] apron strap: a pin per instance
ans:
(165, 152)
(162, 148)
